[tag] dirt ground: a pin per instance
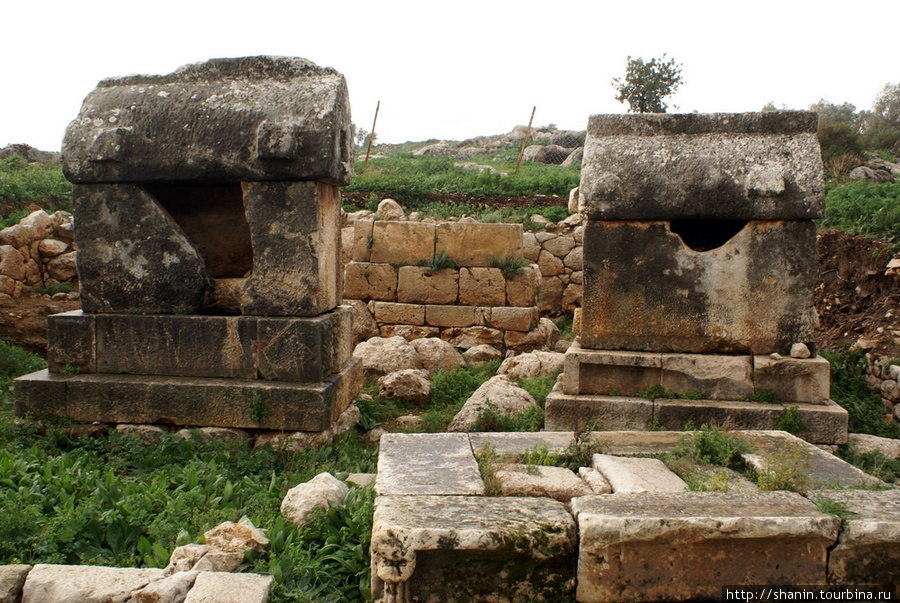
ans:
(856, 301)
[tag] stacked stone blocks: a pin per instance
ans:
(472, 300)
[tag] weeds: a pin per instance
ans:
(764, 396)
(488, 465)
(863, 208)
(789, 420)
(874, 463)
(489, 419)
(711, 445)
(257, 408)
(850, 390)
(54, 289)
(21, 183)
(510, 266)
(784, 469)
(833, 507)
(439, 261)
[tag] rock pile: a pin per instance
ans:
(883, 375)
(39, 251)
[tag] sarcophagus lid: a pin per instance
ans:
(748, 166)
(241, 119)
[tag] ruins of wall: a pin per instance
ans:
(39, 251)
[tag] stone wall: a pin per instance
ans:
(39, 251)
(882, 377)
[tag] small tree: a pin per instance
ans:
(646, 84)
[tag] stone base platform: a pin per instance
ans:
(826, 423)
(210, 402)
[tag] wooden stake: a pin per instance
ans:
(371, 138)
(524, 140)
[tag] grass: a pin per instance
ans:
(874, 463)
(21, 184)
(850, 390)
(862, 208)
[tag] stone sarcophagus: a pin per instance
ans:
(208, 251)
(699, 269)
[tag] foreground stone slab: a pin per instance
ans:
(456, 548)
(698, 542)
(223, 587)
(441, 464)
(84, 583)
(558, 483)
(633, 475)
(12, 579)
(190, 401)
(868, 550)
(517, 443)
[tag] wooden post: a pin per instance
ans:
(524, 140)
(371, 138)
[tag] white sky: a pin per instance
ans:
(455, 69)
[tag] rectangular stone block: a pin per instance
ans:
(300, 349)
(418, 285)
(450, 316)
(70, 341)
(366, 281)
(340, 338)
(565, 412)
(189, 400)
(402, 242)
(868, 549)
(174, 345)
(226, 587)
(698, 542)
(439, 464)
(85, 582)
(716, 376)
(629, 475)
(472, 548)
(512, 319)
(362, 241)
(466, 337)
(295, 231)
(408, 332)
(482, 287)
(399, 314)
(473, 244)
(609, 372)
(522, 290)
(694, 166)
(701, 288)
(794, 380)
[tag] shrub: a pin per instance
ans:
(14, 362)
(21, 183)
(850, 390)
(863, 208)
(711, 445)
(839, 139)
(509, 265)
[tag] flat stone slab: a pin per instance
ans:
(459, 548)
(224, 587)
(868, 550)
(12, 579)
(84, 583)
(519, 442)
(432, 463)
(633, 475)
(558, 483)
(698, 542)
(822, 469)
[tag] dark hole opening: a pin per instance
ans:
(212, 217)
(704, 235)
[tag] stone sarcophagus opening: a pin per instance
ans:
(699, 269)
(208, 231)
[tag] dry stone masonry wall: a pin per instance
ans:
(39, 251)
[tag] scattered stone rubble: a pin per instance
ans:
(39, 251)
(884, 378)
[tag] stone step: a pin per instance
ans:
(471, 548)
(698, 542)
(422, 463)
(629, 475)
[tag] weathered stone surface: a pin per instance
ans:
(532, 364)
(409, 332)
(381, 356)
(402, 242)
(219, 587)
(370, 281)
(249, 119)
(557, 483)
(36, 225)
(132, 256)
(518, 442)
(497, 393)
(437, 355)
(482, 287)
(70, 341)
(793, 380)
(450, 316)
(63, 267)
(363, 324)
(594, 480)
(479, 354)
(399, 314)
(149, 434)
(362, 240)
(84, 583)
(868, 550)
(295, 231)
(12, 579)
(465, 548)
(521, 290)
(609, 372)
(551, 294)
(574, 412)
(699, 542)
(389, 209)
(748, 166)
(190, 400)
(751, 294)
(417, 285)
(632, 475)
(863, 443)
(424, 464)
(171, 589)
(513, 319)
(717, 376)
(408, 385)
(318, 493)
(544, 335)
(475, 244)
(468, 337)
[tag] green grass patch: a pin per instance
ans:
(711, 445)
(509, 265)
(14, 361)
(21, 183)
(863, 208)
(850, 390)
(874, 463)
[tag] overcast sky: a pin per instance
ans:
(456, 69)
